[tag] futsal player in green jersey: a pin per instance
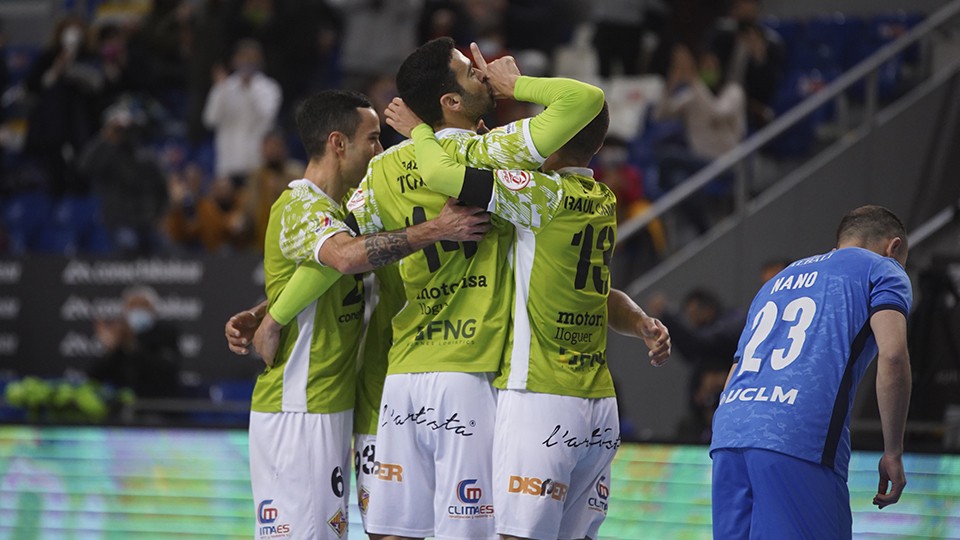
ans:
(301, 410)
(557, 426)
(434, 439)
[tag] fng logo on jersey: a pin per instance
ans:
(514, 180)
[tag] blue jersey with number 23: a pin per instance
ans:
(805, 347)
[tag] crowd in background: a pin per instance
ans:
(172, 121)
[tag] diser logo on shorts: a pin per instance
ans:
(528, 485)
(388, 471)
(267, 516)
(469, 494)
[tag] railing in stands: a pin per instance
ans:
(737, 158)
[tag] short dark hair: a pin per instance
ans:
(589, 139)
(871, 223)
(425, 76)
(325, 112)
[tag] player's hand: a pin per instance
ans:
(501, 75)
(239, 331)
(401, 118)
(892, 480)
(657, 338)
(462, 223)
(267, 339)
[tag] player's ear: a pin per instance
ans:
(451, 101)
(895, 249)
(336, 142)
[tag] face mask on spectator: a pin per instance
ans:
(70, 38)
(140, 320)
(246, 69)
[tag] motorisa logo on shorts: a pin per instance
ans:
(598, 502)
(529, 485)
(267, 516)
(469, 494)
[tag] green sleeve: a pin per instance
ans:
(439, 171)
(308, 283)
(570, 106)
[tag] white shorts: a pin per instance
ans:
(551, 459)
(364, 461)
(434, 444)
(300, 472)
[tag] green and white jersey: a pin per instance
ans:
(565, 234)
(315, 369)
(376, 345)
(457, 295)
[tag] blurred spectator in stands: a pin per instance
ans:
(752, 56)
(620, 26)
(706, 336)
(128, 179)
(241, 108)
(713, 112)
(111, 49)
(381, 92)
(161, 47)
(625, 179)
(208, 47)
(378, 36)
(216, 221)
(772, 267)
(141, 351)
(268, 182)
(444, 18)
(64, 84)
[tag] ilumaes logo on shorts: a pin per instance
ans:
(469, 494)
(598, 502)
(267, 516)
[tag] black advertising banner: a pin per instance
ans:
(48, 306)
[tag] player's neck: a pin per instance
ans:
(456, 121)
(325, 174)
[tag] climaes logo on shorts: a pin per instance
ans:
(469, 494)
(598, 501)
(267, 517)
(529, 485)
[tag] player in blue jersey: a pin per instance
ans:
(781, 437)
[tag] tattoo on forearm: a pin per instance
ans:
(385, 248)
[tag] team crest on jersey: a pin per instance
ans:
(364, 502)
(338, 523)
(357, 201)
(514, 180)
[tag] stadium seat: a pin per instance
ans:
(25, 216)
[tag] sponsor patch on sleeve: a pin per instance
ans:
(514, 180)
(357, 201)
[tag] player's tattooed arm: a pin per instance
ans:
(352, 255)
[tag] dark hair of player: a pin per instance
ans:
(425, 76)
(871, 224)
(325, 112)
(588, 140)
